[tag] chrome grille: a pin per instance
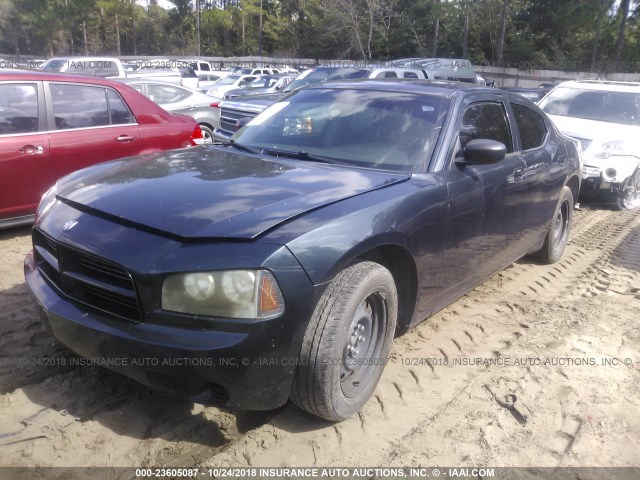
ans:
(86, 278)
(229, 117)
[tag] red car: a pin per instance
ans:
(54, 124)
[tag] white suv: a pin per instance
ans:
(604, 117)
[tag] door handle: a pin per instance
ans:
(125, 138)
(518, 174)
(31, 150)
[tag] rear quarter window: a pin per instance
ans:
(532, 127)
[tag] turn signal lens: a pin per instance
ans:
(270, 303)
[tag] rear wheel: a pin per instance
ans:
(558, 234)
(630, 197)
(207, 133)
(347, 341)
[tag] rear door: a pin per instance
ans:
(538, 151)
(88, 124)
(25, 170)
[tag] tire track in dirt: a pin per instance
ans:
(488, 322)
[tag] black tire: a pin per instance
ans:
(630, 198)
(559, 229)
(346, 343)
(207, 133)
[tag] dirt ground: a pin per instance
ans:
(564, 339)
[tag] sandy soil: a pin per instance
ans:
(557, 337)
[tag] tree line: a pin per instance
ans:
(591, 35)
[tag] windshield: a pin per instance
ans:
(389, 131)
(228, 80)
(600, 105)
(324, 74)
(263, 82)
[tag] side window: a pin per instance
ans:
(18, 108)
(79, 106)
(205, 67)
(120, 114)
(163, 94)
(387, 75)
(410, 75)
(485, 120)
(531, 126)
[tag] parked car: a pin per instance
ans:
(208, 80)
(182, 100)
(255, 71)
(452, 69)
(533, 94)
(234, 113)
(199, 66)
(262, 85)
(281, 265)
(230, 82)
(105, 67)
(53, 124)
(184, 76)
(605, 118)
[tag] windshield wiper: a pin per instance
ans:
(300, 155)
(239, 146)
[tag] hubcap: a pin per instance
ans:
(632, 195)
(364, 343)
(560, 227)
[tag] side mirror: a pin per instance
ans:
(483, 151)
(279, 87)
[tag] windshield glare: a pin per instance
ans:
(228, 80)
(599, 105)
(322, 75)
(390, 131)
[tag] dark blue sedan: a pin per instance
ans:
(281, 264)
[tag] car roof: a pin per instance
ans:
(152, 80)
(603, 85)
(32, 75)
(441, 88)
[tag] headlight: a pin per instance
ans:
(231, 294)
(614, 147)
(48, 200)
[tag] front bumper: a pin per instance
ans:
(242, 364)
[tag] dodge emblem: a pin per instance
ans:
(70, 224)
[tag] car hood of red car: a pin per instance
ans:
(214, 192)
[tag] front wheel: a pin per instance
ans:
(559, 228)
(630, 196)
(346, 343)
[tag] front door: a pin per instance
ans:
(486, 202)
(25, 172)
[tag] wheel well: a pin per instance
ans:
(401, 265)
(574, 185)
(210, 127)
